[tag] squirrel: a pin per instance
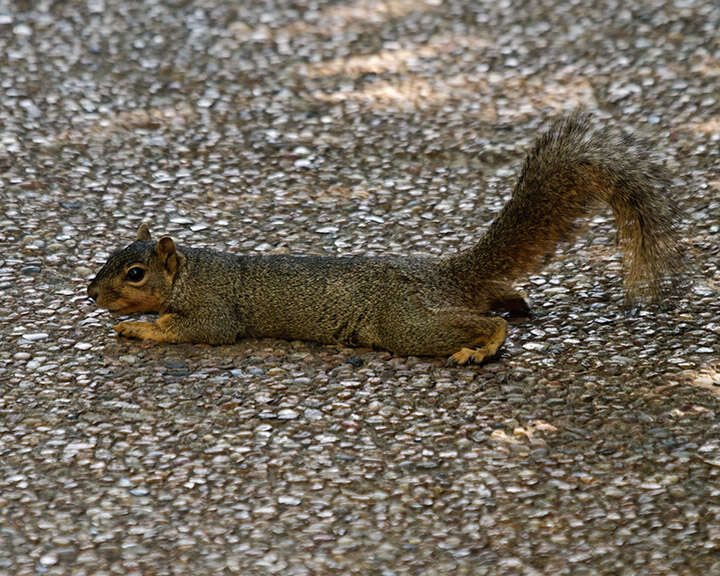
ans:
(424, 306)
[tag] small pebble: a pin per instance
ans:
(35, 336)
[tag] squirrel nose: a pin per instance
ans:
(93, 291)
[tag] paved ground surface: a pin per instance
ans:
(591, 446)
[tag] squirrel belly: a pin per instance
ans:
(410, 305)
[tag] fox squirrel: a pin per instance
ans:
(409, 305)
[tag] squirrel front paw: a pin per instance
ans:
(141, 330)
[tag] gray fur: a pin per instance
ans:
(424, 306)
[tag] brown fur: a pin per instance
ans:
(420, 306)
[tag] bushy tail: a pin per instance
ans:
(569, 169)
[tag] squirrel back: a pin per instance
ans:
(567, 173)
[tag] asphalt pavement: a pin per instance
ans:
(590, 446)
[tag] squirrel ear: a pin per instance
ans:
(170, 257)
(143, 232)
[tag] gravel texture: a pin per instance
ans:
(591, 446)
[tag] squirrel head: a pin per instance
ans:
(139, 277)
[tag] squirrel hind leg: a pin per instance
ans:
(485, 345)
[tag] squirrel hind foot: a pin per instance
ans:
(489, 348)
(467, 356)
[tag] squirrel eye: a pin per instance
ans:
(135, 274)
